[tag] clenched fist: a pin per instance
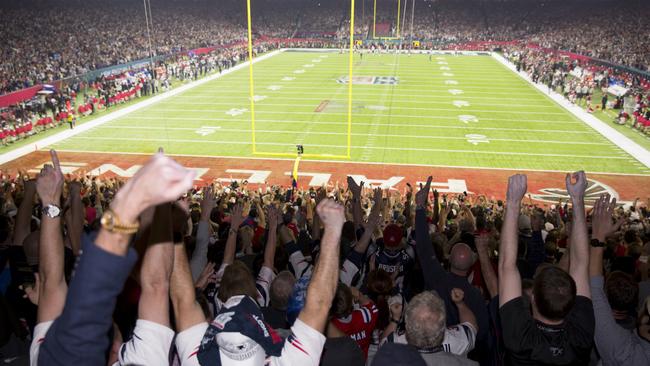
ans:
(331, 214)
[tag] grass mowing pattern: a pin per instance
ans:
(416, 121)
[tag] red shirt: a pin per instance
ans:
(360, 325)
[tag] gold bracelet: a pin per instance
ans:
(110, 222)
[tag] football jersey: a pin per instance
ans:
(359, 325)
(459, 339)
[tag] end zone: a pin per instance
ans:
(545, 187)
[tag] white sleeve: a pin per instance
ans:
(347, 272)
(459, 339)
(40, 331)
(149, 344)
(299, 264)
(303, 347)
(263, 284)
(188, 342)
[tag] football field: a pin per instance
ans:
(440, 110)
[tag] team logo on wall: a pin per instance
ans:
(369, 80)
(593, 192)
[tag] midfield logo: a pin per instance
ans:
(369, 80)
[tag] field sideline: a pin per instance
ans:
(443, 110)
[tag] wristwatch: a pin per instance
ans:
(111, 222)
(597, 243)
(52, 211)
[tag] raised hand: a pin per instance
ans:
(482, 242)
(457, 295)
(208, 202)
(236, 217)
(423, 194)
(321, 194)
(206, 277)
(49, 183)
(602, 225)
(576, 189)
(331, 214)
(354, 187)
(160, 180)
(32, 291)
(275, 217)
(517, 187)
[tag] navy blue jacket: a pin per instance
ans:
(438, 279)
(80, 335)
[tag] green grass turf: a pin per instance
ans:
(412, 122)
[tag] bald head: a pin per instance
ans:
(462, 257)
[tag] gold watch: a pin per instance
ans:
(111, 223)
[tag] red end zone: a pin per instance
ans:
(544, 186)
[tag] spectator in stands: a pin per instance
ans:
(561, 327)
(425, 329)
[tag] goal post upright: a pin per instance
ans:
(398, 30)
(251, 86)
(350, 65)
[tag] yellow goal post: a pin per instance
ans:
(374, 21)
(251, 87)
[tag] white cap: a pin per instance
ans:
(237, 349)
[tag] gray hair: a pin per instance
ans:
(426, 319)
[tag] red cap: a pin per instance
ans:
(393, 236)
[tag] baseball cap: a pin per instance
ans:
(239, 336)
(392, 236)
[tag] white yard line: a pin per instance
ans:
(226, 142)
(395, 101)
(455, 119)
(356, 90)
(40, 144)
(370, 133)
(353, 162)
(617, 138)
(260, 105)
(424, 96)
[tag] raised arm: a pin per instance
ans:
(322, 287)
(53, 288)
(579, 254)
(371, 224)
(200, 255)
(187, 311)
(465, 314)
(275, 216)
(431, 268)
(609, 337)
(509, 277)
(104, 266)
(356, 190)
(236, 219)
(489, 276)
(602, 227)
(157, 268)
(76, 223)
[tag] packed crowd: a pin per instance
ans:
(65, 39)
(232, 274)
(79, 99)
(578, 80)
